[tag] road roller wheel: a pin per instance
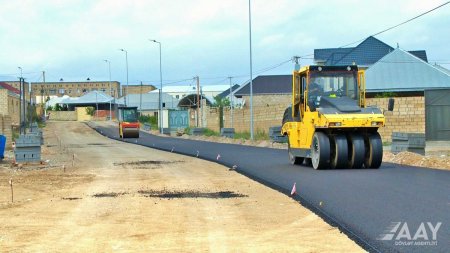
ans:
(339, 151)
(374, 151)
(356, 151)
(294, 160)
(320, 151)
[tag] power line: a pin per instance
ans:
(402, 23)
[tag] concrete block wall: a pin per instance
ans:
(9, 105)
(408, 115)
(267, 112)
(63, 115)
(6, 130)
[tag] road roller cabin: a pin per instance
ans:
(328, 124)
(128, 122)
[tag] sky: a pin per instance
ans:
(70, 39)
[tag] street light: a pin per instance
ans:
(22, 107)
(160, 94)
(126, 62)
(251, 69)
(109, 67)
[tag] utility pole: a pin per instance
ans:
(231, 103)
(43, 76)
(251, 69)
(140, 100)
(297, 64)
(198, 98)
(201, 98)
(110, 89)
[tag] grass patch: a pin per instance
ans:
(259, 135)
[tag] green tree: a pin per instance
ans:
(90, 110)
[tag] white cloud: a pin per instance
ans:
(71, 38)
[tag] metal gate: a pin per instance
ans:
(437, 115)
(178, 119)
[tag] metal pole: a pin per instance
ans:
(140, 100)
(20, 103)
(231, 104)
(198, 99)
(160, 79)
(96, 105)
(110, 91)
(251, 69)
(161, 89)
(125, 94)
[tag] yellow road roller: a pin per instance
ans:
(128, 122)
(328, 124)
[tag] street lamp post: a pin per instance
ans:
(109, 67)
(251, 69)
(161, 89)
(21, 108)
(126, 62)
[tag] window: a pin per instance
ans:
(177, 96)
(61, 91)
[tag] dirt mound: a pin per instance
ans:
(413, 159)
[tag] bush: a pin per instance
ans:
(259, 135)
(90, 110)
(49, 108)
(386, 95)
(152, 120)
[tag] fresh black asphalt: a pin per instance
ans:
(362, 203)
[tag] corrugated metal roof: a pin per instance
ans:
(325, 54)
(150, 101)
(402, 71)
(365, 54)
(226, 92)
(275, 84)
(92, 97)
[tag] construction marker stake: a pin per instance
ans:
(234, 167)
(73, 160)
(294, 189)
(172, 149)
(198, 152)
(64, 168)
(12, 191)
(218, 157)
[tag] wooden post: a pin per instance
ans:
(12, 191)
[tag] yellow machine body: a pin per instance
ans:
(340, 115)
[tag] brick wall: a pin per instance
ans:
(267, 112)
(6, 130)
(408, 115)
(4, 102)
(9, 105)
(63, 115)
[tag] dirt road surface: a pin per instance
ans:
(120, 197)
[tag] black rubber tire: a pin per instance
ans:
(287, 116)
(374, 151)
(356, 151)
(320, 151)
(294, 160)
(339, 151)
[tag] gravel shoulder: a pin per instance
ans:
(437, 159)
(128, 198)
